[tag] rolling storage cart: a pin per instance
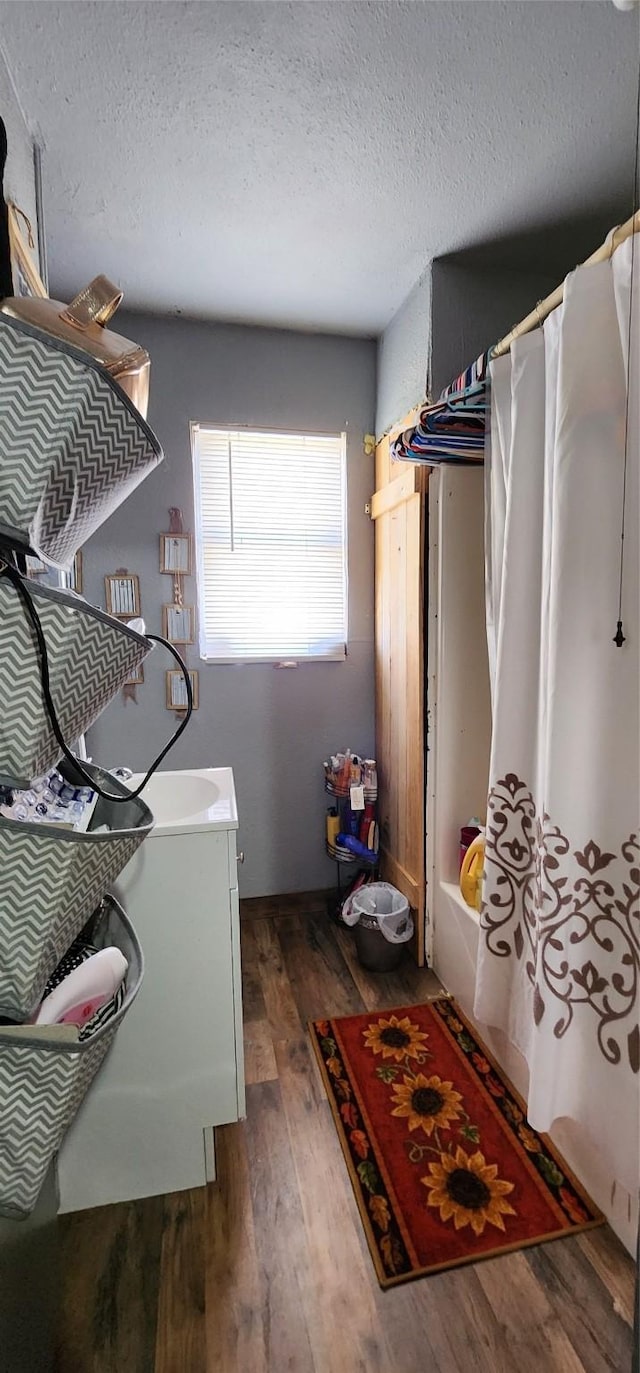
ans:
(347, 863)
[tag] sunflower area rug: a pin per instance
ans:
(444, 1166)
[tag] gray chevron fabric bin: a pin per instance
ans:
(42, 1083)
(72, 444)
(91, 654)
(52, 879)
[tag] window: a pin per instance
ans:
(271, 544)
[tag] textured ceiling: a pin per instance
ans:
(298, 164)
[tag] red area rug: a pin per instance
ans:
(444, 1166)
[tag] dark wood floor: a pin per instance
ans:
(268, 1269)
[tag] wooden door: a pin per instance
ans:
(399, 511)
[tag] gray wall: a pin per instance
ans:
(454, 312)
(273, 726)
(471, 308)
(464, 302)
(19, 182)
(403, 351)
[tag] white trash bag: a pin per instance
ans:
(385, 904)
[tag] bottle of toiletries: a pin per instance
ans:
(367, 824)
(370, 777)
(351, 823)
(333, 826)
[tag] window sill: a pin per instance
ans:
(272, 662)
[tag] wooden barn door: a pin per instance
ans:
(399, 511)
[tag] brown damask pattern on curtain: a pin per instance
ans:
(553, 905)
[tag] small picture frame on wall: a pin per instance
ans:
(35, 568)
(74, 575)
(176, 698)
(41, 572)
(72, 579)
(123, 595)
(26, 277)
(136, 677)
(178, 623)
(176, 554)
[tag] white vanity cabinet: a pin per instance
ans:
(176, 1068)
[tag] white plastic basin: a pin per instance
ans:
(191, 800)
(177, 795)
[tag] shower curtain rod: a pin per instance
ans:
(544, 307)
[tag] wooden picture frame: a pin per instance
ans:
(35, 567)
(26, 277)
(136, 677)
(176, 690)
(122, 591)
(176, 554)
(75, 574)
(179, 623)
(38, 571)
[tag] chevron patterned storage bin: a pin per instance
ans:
(52, 879)
(90, 657)
(42, 1083)
(72, 444)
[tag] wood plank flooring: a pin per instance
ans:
(268, 1271)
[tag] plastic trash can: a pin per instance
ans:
(383, 923)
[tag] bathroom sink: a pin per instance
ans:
(178, 795)
(202, 798)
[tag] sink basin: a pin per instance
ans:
(178, 795)
(189, 800)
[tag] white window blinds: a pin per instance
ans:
(271, 544)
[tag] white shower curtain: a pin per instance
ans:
(559, 961)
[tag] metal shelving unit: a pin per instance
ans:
(341, 857)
